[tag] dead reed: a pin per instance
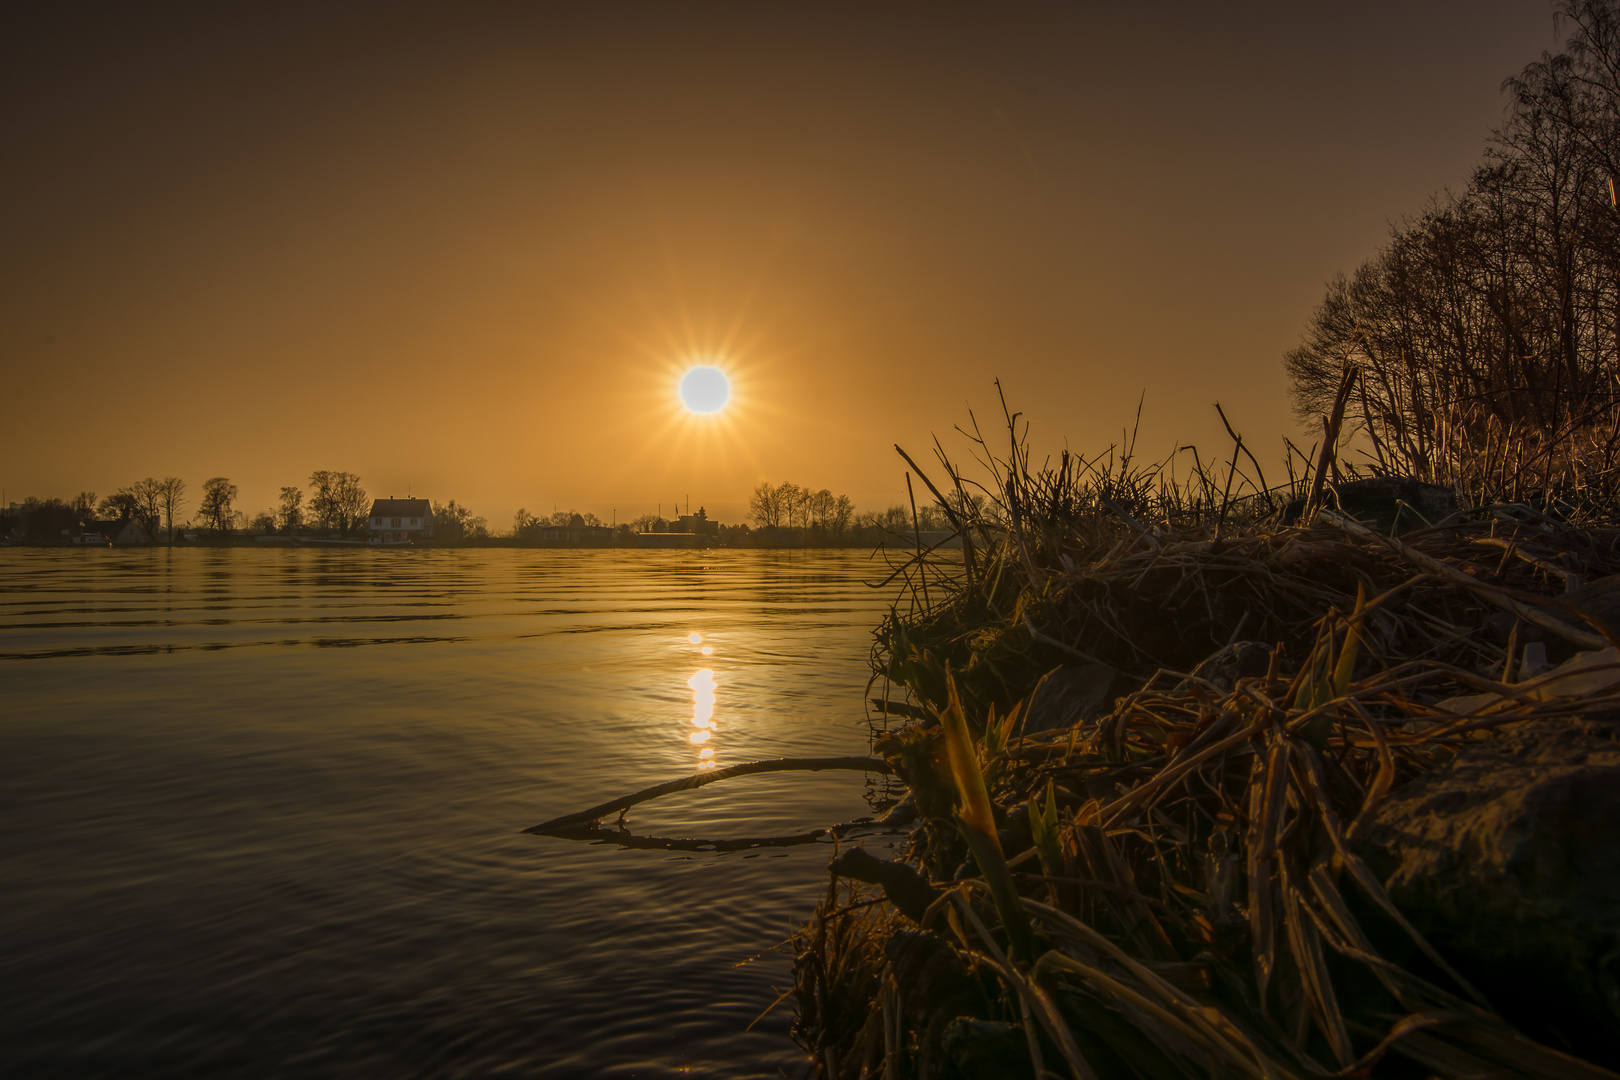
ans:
(1173, 887)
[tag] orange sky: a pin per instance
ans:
(469, 249)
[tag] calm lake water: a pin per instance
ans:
(263, 808)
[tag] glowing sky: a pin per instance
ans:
(470, 249)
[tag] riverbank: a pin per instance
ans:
(1199, 794)
(735, 537)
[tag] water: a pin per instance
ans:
(262, 808)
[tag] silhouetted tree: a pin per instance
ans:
(215, 508)
(46, 520)
(337, 501)
(843, 513)
(763, 508)
(1498, 307)
(290, 513)
(171, 492)
(84, 505)
(818, 507)
(119, 506)
(573, 518)
(148, 495)
(794, 501)
(787, 505)
(452, 522)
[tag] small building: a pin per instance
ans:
(132, 532)
(401, 519)
(576, 534)
(698, 523)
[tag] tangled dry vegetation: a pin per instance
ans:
(1175, 884)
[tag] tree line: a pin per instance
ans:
(336, 503)
(833, 518)
(1494, 313)
(787, 505)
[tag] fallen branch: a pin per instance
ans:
(686, 783)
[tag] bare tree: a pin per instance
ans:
(215, 508)
(794, 501)
(1496, 309)
(84, 505)
(765, 506)
(337, 501)
(148, 494)
(171, 491)
(120, 506)
(452, 521)
(290, 514)
(843, 512)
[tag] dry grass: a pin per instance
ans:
(1190, 871)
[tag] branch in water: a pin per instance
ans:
(686, 783)
(600, 834)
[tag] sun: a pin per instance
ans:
(705, 390)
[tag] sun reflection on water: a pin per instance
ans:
(702, 684)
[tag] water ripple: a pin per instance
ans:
(232, 852)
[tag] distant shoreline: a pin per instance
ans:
(929, 542)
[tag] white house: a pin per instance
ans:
(401, 519)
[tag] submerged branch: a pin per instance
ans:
(686, 783)
(600, 834)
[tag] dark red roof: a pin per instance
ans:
(392, 508)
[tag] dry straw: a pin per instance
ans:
(1190, 899)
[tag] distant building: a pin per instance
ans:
(401, 519)
(576, 534)
(695, 523)
(132, 532)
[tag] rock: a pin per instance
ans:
(1508, 861)
(1379, 502)
(1068, 695)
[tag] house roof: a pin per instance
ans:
(417, 508)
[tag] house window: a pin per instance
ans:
(376, 521)
(413, 521)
